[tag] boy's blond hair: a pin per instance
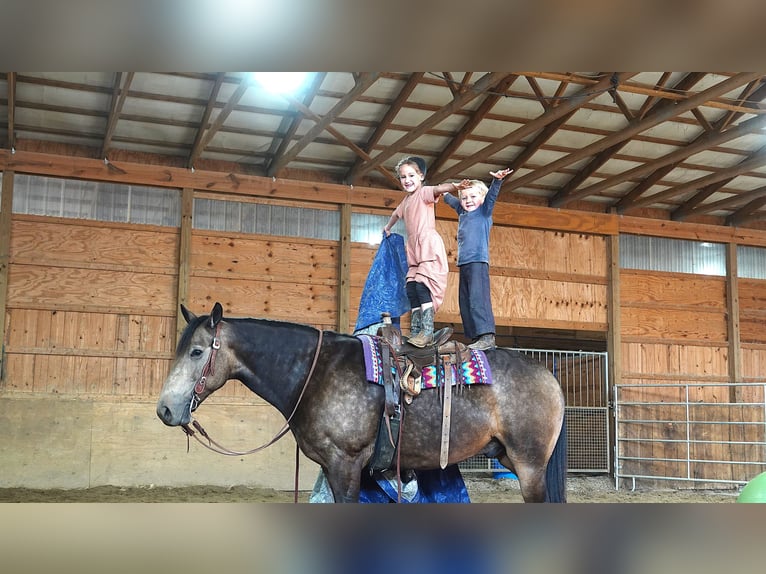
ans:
(476, 184)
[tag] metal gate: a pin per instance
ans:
(584, 379)
(710, 435)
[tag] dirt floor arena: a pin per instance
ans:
(580, 489)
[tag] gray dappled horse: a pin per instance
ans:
(317, 381)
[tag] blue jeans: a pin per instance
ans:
(475, 300)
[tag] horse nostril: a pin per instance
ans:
(164, 414)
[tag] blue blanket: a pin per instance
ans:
(384, 288)
(431, 486)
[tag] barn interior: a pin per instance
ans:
(632, 233)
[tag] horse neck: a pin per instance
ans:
(274, 359)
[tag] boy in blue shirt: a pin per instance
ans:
(474, 206)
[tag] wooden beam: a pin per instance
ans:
(119, 93)
(481, 86)
(732, 322)
(634, 129)
(691, 231)
(403, 95)
(220, 120)
(473, 121)
(370, 197)
(6, 210)
(207, 180)
(344, 269)
(184, 257)
(660, 93)
(748, 212)
(693, 205)
(364, 82)
(651, 99)
(754, 162)
(196, 149)
(568, 191)
(674, 158)
(289, 124)
(341, 138)
(614, 329)
(564, 108)
(733, 200)
(11, 81)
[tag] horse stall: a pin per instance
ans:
(583, 376)
(99, 263)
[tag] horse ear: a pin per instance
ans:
(216, 314)
(188, 315)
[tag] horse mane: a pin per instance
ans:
(273, 323)
(187, 333)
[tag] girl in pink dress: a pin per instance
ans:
(428, 267)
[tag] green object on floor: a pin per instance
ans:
(755, 490)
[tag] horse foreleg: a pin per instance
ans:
(345, 485)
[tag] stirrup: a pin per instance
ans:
(409, 384)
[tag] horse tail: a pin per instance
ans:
(556, 471)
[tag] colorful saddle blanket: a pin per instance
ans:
(475, 371)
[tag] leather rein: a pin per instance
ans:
(199, 386)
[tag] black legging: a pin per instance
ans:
(417, 294)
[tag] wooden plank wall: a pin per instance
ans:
(91, 307)
(539, 278)
(102, 297)
(674, 331)
(752, 305)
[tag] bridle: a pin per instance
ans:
(199, 386)
(207, 369)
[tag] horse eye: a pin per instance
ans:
(196, 353)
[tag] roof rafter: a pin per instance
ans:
(486, 82)
(747, 213)
(196, 149)
(662, 115)
(554, 113)
(473, 121)
(11, 79)
(403, 95)
(290, 125)
(568, 191)
(361, 84)
(670, 161)
(340, 137)
(119, 93)
(695, 204)
(753, 162)
(219, 121)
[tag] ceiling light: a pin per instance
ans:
(280, 82)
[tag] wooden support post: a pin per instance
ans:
(344, 269)
(184, 256)
(6, 210)
(732, 322)
(613, 338)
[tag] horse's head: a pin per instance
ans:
(194, 374)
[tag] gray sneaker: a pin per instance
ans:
(485, 343)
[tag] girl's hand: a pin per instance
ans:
(465, 184)
(500, 174)
(386, 231)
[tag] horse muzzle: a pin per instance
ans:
(174, 417)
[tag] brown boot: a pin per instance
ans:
(426, 334)
(416, 319)
(485, 343)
